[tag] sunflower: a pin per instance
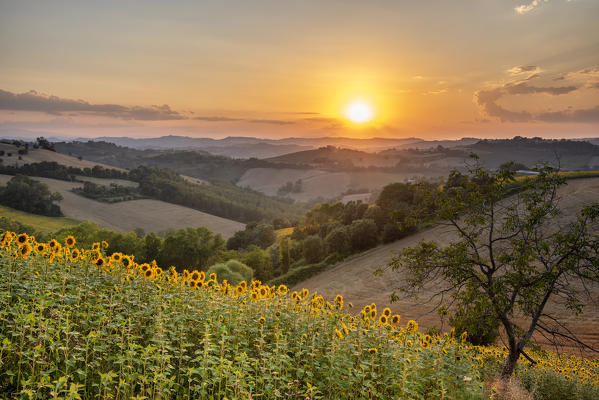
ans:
(339, 300)
(53, 244)
(195, 276)
(262, 320)
(338, 333)
(305, 293)
(202, 277)
(212, 277)
(373, 314)
(116, 257)
(22, 239)
(263, 292)
(25, 250)
(428, 338)
(243, 285)
(40, 247)
(383, 319)
(367, 310)
(144, 267)
(158, 271)
(373, 350)
(424, 344)
(294, 295)
(15, 255)
(412, 326)
(464, 336)
(104, 244)
(239, 289)
(149, 273)
(395, 320)
(70, 241)
(96, 246)
(75, 255)
(127, 261)
(387, 312)
(345, 330)
(254, 295)
(100, 261)
(282, 289)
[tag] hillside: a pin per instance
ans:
(354, 276)
(132, 329)
(39, 155)
(150, 215)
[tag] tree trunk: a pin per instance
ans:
(510, 362)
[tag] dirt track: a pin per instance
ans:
(354, 278)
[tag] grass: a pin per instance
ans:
(40, 222)
(83, 324)
(281, 233)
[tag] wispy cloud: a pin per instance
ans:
(525, 8)
(34, 101)
(488, 99)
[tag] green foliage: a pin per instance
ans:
(474, 318)
(224, 273)
(314, 249)
(363, 234)
(8, 224)
(299, 274)
(258, 234)
(26, 194)
(110, 194)
(190, 247)
(259, 260)
(54, 170)
(285, 256)
(337, 241)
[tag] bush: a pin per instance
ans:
(391, 232)
(363, 234)
(223, 272)
(474, 318)
(337, 241)
(313, 249)
(299, 274)
(240, 268)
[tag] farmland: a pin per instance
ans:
(149, 215)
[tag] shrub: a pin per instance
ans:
(313, 249)
(363, 234)
(223, 272)
(337, 241)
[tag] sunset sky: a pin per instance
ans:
(431, 69)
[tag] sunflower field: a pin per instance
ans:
(85, 324)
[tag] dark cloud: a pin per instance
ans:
(218, 119)
(34, 101)
(271, 121)
(488, 101)
(589, 115)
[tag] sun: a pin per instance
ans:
(359, 112)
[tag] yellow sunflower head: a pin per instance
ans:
(25, 249)
(22, 239)
(395, 320)
(70, 241)
(104, 244)
(387, 312)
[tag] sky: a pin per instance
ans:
(434, 69)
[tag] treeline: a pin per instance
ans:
(54, 170)
(221, 198)
(108, 194)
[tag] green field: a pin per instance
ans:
(40, 222)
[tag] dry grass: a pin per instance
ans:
(39, 155)
(150, 215)
(507, 389)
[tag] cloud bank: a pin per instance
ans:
(488, 99)
(34, 101)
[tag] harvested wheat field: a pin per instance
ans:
(39, 155)
(150, 215)
(354, 277)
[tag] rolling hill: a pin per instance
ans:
(150, 215)
(355, 279)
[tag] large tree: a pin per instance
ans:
(512, 254)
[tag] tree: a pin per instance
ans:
(337, 241)
(259, 261)
(313, 249)
(363, 234)
(508, 255)
(196, 248)
(285, 256)
(28, 195)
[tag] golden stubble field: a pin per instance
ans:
(355, 279)
(150, 215)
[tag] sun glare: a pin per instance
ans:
(359, 112)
